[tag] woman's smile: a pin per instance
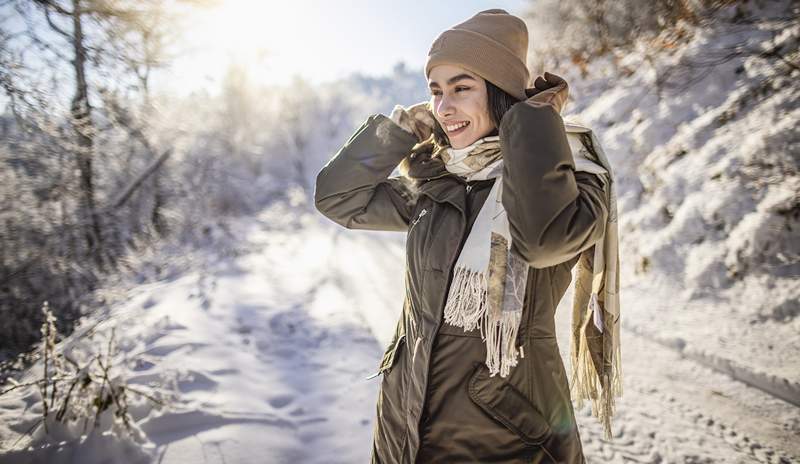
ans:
(456, 127)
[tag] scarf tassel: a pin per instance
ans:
(500, 337)
(584, 377)
(467, 307)
(467, 300)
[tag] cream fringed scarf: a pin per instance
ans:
(488, 287)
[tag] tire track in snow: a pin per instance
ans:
(674, 409)
(773, 385)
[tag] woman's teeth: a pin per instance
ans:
(456, 127)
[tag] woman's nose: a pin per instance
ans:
(444, 108)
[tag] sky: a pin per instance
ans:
(274, 42)
(318, 40)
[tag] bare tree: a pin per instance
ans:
(64, 67)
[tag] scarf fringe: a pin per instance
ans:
(584, 378)
(467, 307)
(467, 300)
(501, 342)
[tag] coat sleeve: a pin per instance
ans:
(353, 188)
(554, 212)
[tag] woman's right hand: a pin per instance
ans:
(416, 119)
(549, 89)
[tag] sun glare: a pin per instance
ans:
(270, 40)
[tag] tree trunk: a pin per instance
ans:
(156, 217)
(84, 130)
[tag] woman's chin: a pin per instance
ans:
(461, 140)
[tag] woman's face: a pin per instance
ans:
(460, 104)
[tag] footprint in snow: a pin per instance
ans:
(280, 401)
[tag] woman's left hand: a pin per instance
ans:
(416, 119)
(549, 89)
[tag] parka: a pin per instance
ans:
(437, 401)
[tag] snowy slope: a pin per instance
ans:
(707, 158)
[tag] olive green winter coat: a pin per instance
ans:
(437, 402)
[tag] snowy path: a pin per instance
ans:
(264, 352)
(292, 358)
(267, 354)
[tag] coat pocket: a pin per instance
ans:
(507, 405)
(389, 357)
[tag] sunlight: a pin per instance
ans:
(320, 41)
(251, 31)
(270, 40)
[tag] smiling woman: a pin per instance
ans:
(497, 213)
(471, 94)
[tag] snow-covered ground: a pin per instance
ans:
(263, 358)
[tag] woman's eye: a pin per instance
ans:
(458, 89)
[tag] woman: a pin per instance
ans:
(481, 289)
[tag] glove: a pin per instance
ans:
(416, 119)
(549, 89)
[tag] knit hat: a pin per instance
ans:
(493, 44)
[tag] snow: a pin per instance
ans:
(708, 196)
(261, 352)
(261, 355)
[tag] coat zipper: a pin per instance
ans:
(441, 175)
(421, 213)
(451, 262)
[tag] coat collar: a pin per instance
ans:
(446, 189)
(434, 180)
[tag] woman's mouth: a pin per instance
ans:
(455, 129)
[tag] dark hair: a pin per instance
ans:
(499, 101)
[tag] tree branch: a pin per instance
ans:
(126, 194)
(53, 25)
(55, 6)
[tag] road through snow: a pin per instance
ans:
(266, 354)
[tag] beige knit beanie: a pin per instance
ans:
(493, 44)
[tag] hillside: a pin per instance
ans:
(705, 144)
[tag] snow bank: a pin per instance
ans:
(705, 144)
